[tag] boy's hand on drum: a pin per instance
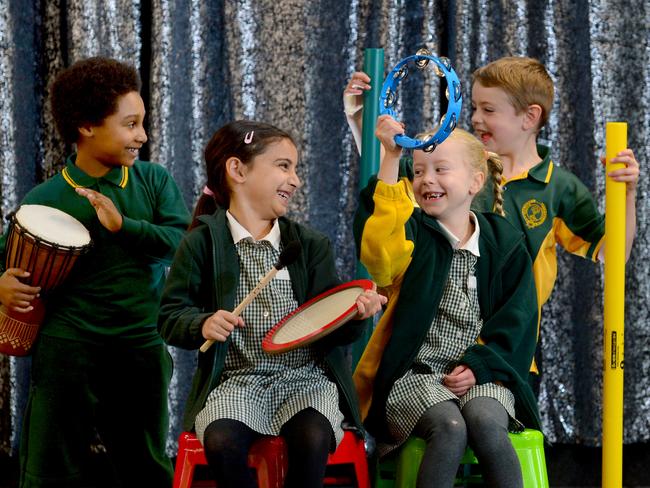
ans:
(459, 380)
(107, 213)
(220, 325)
(353, 93)
(369, 303)
(15, 294)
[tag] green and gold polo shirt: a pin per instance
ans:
(114, 289)
(551, 206)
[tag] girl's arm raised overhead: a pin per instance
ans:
(384, 210)
(387, 129)
(353, 104)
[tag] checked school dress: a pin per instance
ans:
(257, 389)
(455, 327)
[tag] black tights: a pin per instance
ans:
(308, 435)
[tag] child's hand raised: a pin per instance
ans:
(353, 93)
(628, 175)
(369, 303)
(218, 326)
(387, 129)
(459, 380)
(107, 213)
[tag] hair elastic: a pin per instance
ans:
(207, 191)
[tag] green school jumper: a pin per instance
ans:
(551, 206)
(205, 278)
(408, 256)
(99, 362)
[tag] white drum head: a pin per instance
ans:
(52, 225)
(315, 319)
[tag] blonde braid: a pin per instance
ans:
(495, 166)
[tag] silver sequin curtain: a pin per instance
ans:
(204, 63)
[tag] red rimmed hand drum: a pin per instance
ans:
(46, 242)
(316, 318)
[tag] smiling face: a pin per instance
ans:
(495, 119)
(117, 140)
(270, 180)
(445, 181)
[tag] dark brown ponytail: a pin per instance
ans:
(241, 139)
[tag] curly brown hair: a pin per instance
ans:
(87, 93)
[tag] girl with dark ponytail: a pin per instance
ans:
(231, 142)
(240, 393)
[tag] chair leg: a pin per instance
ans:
(268, 456)
(184, 470)
(352, 451)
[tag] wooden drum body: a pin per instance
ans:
(46, 242)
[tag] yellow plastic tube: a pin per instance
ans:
(613, 357)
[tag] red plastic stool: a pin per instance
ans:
(352, 450)
(267, 456)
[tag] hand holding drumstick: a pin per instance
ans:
(219, 325)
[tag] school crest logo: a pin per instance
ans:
(534, 213)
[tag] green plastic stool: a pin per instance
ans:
(401, 471)
(385, 473)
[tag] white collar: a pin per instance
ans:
(472, 243)
(239, 232)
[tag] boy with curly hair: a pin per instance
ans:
(99, 363)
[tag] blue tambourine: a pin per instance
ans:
(442, 67)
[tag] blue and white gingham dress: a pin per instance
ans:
(264, 391)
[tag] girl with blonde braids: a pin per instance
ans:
(449, 359)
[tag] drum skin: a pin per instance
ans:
(316, 318)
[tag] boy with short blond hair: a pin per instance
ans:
(525, 80)
(511, 102)
(512, 99)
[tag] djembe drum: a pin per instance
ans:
(46, 242)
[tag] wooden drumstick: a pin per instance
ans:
(288, 255)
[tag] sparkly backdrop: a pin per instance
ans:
(204, 63)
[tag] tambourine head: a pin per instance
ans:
(315, 319)
(441, 67)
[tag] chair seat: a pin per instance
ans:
(268, 456)
(401, 470)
